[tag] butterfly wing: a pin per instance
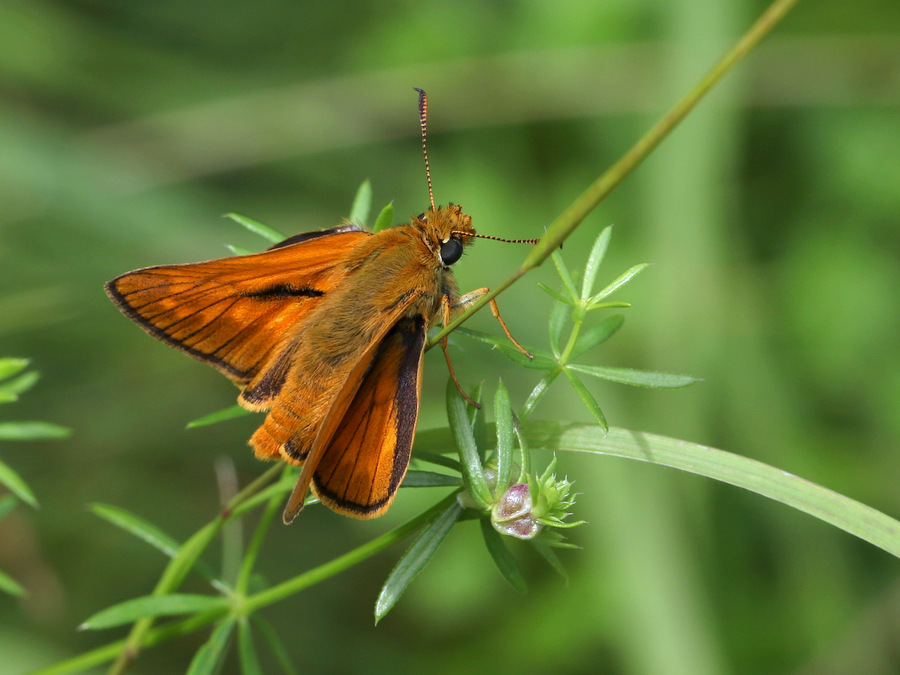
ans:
(362, 449)
(233, 313)
(367, 457)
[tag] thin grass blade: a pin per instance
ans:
(847, 514)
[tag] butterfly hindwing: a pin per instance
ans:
(367, 457)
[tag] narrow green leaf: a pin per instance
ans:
(503, 420)
(133, 524)
(609, 305)
(552, 538)
(16, 485)
(476, 419)
(524, 452)
(429, 479)
(362, 204)
(412, 562)
(598, 251)
(556, 295)
(385, 218)
(31, 431)
(548, 554)
(246, 650)
(538, 392)
(10, 586)
(599, 332)
(149, 533)
(20, 384)
(187, 557)
(620, 281)
(586, 396)
(153, 605)
(501, 556)
(229, 413)
(436, 458)
(8, 397)
(208, 658)
(9, 366)
(256, 227)
(254, 547)
(473, 472)
(542, 360)
(7, 504)
(274, 642)
(559, 314)
(564, 274)
(851, 516)
(637, 378)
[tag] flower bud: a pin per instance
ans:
(511, 515)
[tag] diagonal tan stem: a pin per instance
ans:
(578, 210)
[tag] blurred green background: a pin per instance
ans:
(127, 129)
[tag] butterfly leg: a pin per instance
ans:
(446, 313)
(464, 301)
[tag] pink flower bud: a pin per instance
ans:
(512, 514)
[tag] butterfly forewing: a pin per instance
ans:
(233, 313)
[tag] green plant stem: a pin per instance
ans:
(576, 212)
(577, 320)
(346, 561)
(181, 564)
(108, 652)
(153, 636)
(253, 549)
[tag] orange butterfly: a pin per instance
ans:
(326, 332)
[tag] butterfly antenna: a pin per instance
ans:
(423, 115)
(508, 241)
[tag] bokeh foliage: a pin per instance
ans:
(126, 129)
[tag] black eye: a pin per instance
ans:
(451, 251)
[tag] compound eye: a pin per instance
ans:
(451, 251)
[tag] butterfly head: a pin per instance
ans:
(446, 231)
